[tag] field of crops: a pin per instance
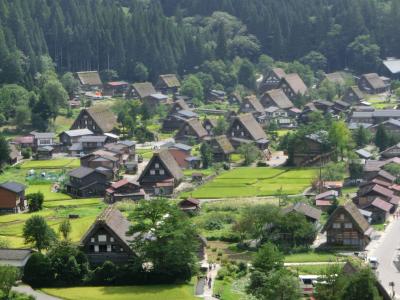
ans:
(251, 182)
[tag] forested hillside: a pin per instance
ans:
(178, 35)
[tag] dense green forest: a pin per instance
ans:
(178, 35)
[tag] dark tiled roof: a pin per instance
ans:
(327, 194)
(78, 132)
(81, 172)
(93, 139)
(381, 204)
(386, 175)
(13, 186)
(14, 254)
(304, 209)
(43, 135)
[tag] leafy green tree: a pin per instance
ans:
(362, 136)
(361, 285)
(166, 238)
(206, 155)
(37, 232)
(250, 153)
(35, 201)
(268, 258)
(108, 75)
(70, 83)
(269, 280)
(65, 229)
(22, 116)
(140, 73)
(382, 138)
(12, 96)
(316, 60)
(221, 127)
(54, 94)
(363, 54)
(207, 81)
(246, 74)
(8, 276)
(252, 222)
(265, 64)
(340, 138)
(38, 271)
(355, 170)
(4, 151)
(70, 265)
(192, 87)
(221, 51)
(331, 284)
(327, 90)
(333, 171)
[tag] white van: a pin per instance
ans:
(307, 283)
(373, 262)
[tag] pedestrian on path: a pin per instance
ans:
(209, 283)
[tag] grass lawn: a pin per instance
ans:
(225, 291)
(13, 174)
(311, 257)
(54, 212)
(51, 164)
(252, 182)
(47, 192)
(145, 153)
(205, 172)
(164, 292)
(310, 269)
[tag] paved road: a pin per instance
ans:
(386, 251)
(35, 293)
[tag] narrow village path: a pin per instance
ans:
(314, 263)
(208, 291)
(26, 289)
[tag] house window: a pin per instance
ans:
(342, 217)
(111, 239)
(348, 225)
(242, 133)
(108, 248)
(102, 238)
(162, 172)
(156, 165)
(102, 248)
(96, 248)
(336, 225)
(237, 127)
(92, 239)
(152, 172)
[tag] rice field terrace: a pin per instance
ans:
(255, 182)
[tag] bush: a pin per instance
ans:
(38, 271)
(105, 274)
(213, 225)
(35, 201)
(261, 164)
(26, 153)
